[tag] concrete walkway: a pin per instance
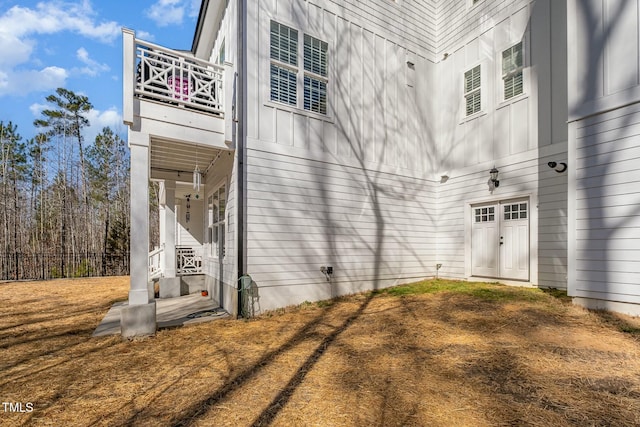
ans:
(170, 312)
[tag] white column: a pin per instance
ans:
(139, 146)
(169, 217)
(128, 74)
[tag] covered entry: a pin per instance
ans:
(500, 239)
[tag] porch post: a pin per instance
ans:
(169, 219)
(139, 316)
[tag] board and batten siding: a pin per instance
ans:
(374, 228)
(604, 147)
(350, 189)
(518, 136)
(509, 127)
(378, 106)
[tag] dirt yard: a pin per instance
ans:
(436, 353)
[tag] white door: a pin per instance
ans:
(500, 240)
(484, 241)
(514, 240)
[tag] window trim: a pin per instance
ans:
(512, 73)
(211, 253)
(300, 71)
(473, 91)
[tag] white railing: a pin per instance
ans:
(189, 261)
(169, 76)
(155, 266)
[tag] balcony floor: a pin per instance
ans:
(170, 312)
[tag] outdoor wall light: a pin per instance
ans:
(558, 167)
(493, 174)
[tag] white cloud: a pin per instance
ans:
(19, 27)
(194, 8)
(56, 16)
(144, 35)
(101, 119)
(14, 50)
(37, 109)
(98, 120)
(172, 12)
(92, 67)
(21, 82)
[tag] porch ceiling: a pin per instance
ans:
(178, 160)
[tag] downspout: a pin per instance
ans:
(241, 113)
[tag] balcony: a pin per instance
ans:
(173, 95)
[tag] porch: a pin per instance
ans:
(170, 313)
(188, 261)
(180, 137)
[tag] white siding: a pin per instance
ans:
(607, 206)
(375, 229)
(355, 189)
(604, 56)
(519, 136)
(525, 176)
(504, 128)
(377, 108)
(190, 233)
(604, 146)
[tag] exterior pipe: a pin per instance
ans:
(240, 147)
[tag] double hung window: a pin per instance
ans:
(216, 204)
(512, 71)
(472, 90)
(286, 74)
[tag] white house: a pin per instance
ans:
(326, 147)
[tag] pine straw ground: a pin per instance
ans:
(436, 353)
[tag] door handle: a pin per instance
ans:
(501, 240)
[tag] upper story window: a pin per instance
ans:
(221, 54)
(284, 63)
(512, 71)
(472, 90)
(315, 75)
(285, 69)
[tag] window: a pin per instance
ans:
(221, 56)
(285, 69)
(485, 214)
(512, 70)
(515, 211)
(216, 204)
(284, 63)
(315, 77)
(472, 94)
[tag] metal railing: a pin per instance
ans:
(45, 266)
(166, 75)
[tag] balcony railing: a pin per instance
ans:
(189, 261)
(155, 263)
(169, 76)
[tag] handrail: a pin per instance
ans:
(171, 76)
(155, 267)
(188, 261)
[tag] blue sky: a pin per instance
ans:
(77, 44)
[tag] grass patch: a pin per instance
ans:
(481, 290)
(429, 287)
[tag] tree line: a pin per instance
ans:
(64, 202)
